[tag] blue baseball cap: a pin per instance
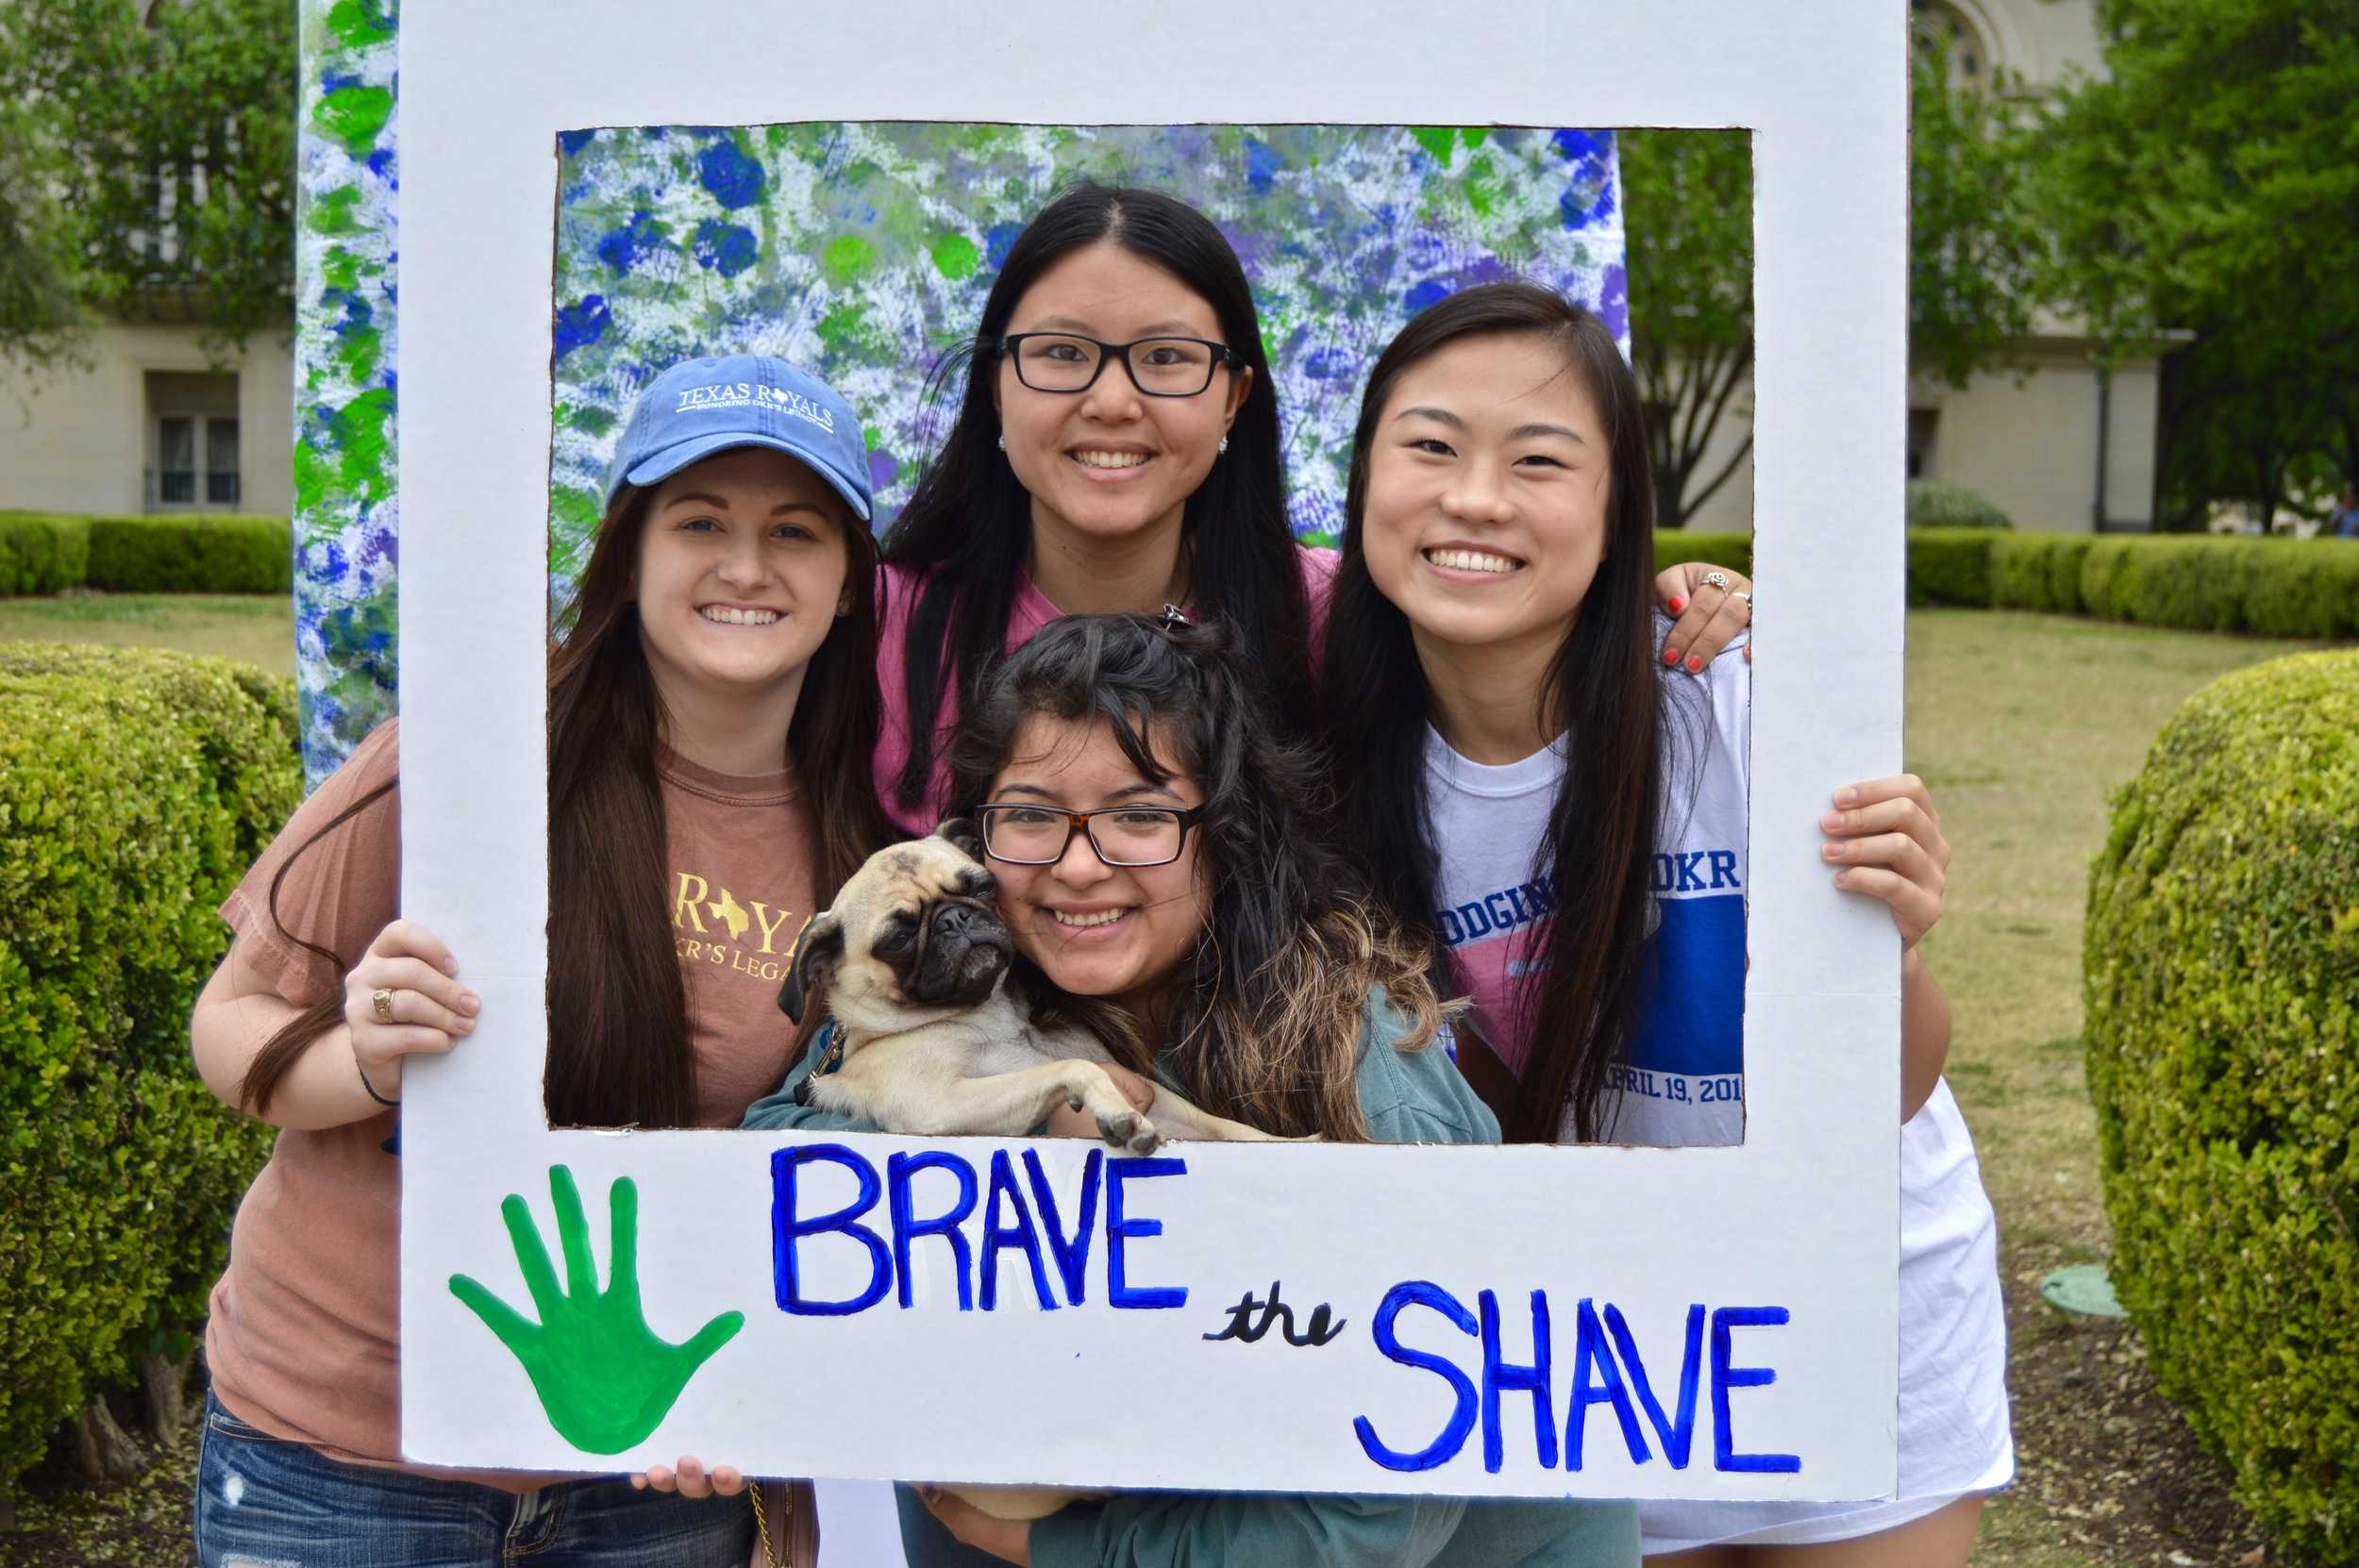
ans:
(700, 406)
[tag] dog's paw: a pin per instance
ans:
(1127, 1129)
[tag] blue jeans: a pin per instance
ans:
(262, 1502)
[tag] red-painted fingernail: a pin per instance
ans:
(1678, 601)
(1670, 656)
(1694, 665)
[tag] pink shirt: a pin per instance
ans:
(897, 591)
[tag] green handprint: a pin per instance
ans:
(603, 1375)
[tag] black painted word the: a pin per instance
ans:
(1246, 1326)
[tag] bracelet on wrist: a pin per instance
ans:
(369, 1087)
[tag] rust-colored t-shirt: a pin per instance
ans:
(304, 1336)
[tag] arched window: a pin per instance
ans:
(1934, 24)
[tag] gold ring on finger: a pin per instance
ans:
(381, 1002)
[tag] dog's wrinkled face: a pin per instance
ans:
(913, 935)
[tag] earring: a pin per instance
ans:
(843, 606)
(1222, 446)
(1003, 443)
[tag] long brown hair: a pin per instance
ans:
(617, 1010)
(1266, 1015)
(1602, 688)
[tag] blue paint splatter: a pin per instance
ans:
(331, 82)
(1333, 364)
(724, 248)
(622, 248)
(1613, 301)
(997, 241)
(882, 467)
(735, 179)
(381, 163)
(1431, 291)
(570, 143)
(1586, 203)
(578, 325)
(1581, 146)
(1262, 164)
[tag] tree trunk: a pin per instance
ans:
(164, 1382)
(107, 1453)
(7, 1513)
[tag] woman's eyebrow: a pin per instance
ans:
(1126, 792)
(1525, 432)
(1172, 328)
(1439, 416)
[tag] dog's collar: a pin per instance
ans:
(831, 1058)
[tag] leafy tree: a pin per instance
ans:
(145, 166)
(1688, 207)
(2212, 183)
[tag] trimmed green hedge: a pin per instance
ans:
(2037, 571)
(2221, 976)
(2274, 587)
(1933, 503)
(191, 553)
(41, 554)
(136, 786)
(1950, 566)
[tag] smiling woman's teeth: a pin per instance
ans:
(728, 617)
(1110, 460)
(1104, 917)
(1470, 560)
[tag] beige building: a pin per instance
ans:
(2049, 434)
(151, 425)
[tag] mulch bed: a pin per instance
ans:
(2103, 1456)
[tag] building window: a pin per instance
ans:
(194, 459)
(221, 463)
(1938, 26)
(1923, 422)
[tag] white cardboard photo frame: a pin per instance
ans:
(1803, 1217)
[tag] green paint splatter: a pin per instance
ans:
(1473, 136)
(357, 23)
(594, 421)
(1481, 184)
(956, 258)
(354, 116)
(845, 259)
(604, 1378)
(331, 212)
(844, 329)
(1441, 141)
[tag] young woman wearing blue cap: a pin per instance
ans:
(1567, 830)
(1116, 448)
(711, 712)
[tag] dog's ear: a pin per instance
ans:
(817, 953)
(964, 836)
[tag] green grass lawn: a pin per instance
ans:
(2020, 723)
(256, 627)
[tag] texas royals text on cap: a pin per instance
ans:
(700, 406)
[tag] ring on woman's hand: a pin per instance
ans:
(1717, 579)
(381, 1000)
(1746, 597)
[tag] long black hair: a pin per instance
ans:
(967, 526)
(1603, 689)
(1267, 1014)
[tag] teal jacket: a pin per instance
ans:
(1413, 1097)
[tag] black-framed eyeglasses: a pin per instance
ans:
(1023, 834)
(1159, 367)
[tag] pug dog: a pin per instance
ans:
(912, 963)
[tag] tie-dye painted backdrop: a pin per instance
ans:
(864, 251)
